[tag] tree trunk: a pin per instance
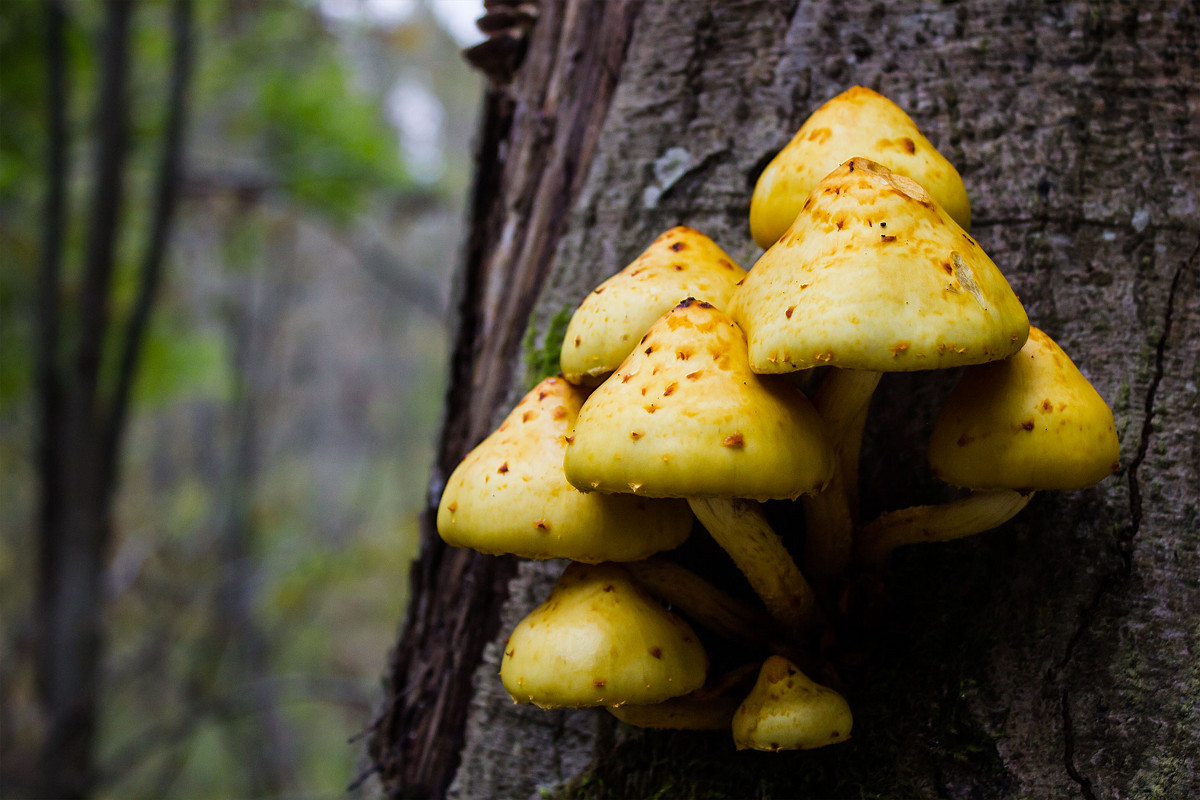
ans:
(1054, 657)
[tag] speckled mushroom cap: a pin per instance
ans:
(600, 640)
(509, 495)
(875, 275)
(1031, 421)
(681, 263)
(858, 122)
(787, 710)
(685, 417)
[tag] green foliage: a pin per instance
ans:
(281, 93)
(544, 361)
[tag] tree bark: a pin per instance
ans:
(1054, 657)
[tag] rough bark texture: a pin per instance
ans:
(1055, 657)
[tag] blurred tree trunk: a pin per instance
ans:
(1055, 657)
(84, 388)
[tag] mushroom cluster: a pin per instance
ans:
(678, 401)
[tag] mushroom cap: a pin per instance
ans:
(1031, 421)
(787, 710)
(874, 274)
(509, 495)
(857, 122)
(685, 417)
(600, 640)
(681, 263)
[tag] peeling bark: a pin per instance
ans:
(1055, 657)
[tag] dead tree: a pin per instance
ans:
(1054, 657)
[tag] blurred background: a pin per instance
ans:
(281, 422)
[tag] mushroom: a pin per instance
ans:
(684, 416)
(680, 263)
(1029, 422)
(787, 710)
(600, 640)
(509, 495)
(859, 122)
(873, 276)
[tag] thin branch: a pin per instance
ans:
(47, 309)
(112, 126)
(165, 201)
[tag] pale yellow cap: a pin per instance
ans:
(1031, 421)
(509, 495)
(858, 122)
(681, 263)
(685, 417)
(600, 640)
(787, 710)
(874, 274)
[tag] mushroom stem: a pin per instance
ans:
(740, 527)
(829, 527)
(980, 511)
(842, 401)
(711, 707)
(702, 602)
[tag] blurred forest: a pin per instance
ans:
(287, 388)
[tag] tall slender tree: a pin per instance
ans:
(85, 375)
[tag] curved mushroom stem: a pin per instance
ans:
(842, 400)
(976, 513)
(741, 529)
(710, 707)
(702, 602)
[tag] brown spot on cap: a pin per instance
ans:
(542, 525)
(898, 348)
(670, 390)
(677, 267)
(789, 311)
(691, 376)
(949, 269)
(656, 651)
(650, 408)
(608, 587)
(683, 353)
(649, 350)
(734, 440)
(1047, 406)
(452, 507)
(598, 290)
(678, 246)
(528, 415)
(559, 412)
(577, 341)
(635, 435)
(1027, 424)
(503, 468)
(965, 440)
(600, 683)
(909, 145)
(569, 439)
(883, 237)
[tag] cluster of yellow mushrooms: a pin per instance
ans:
(672, 404)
